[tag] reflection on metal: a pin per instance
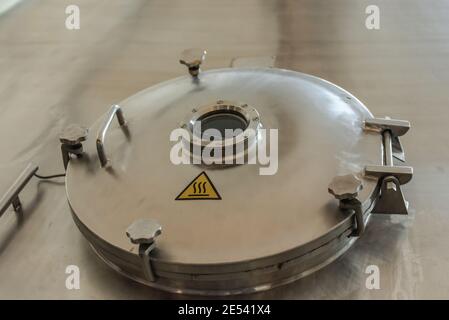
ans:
(72, 142)
(192, 59)
(390, 199)
(6, 5)
(11, 197)
(101, 135)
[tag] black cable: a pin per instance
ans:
(49, 177)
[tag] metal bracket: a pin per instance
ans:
(11, 197)
(72, 142)
(397, 128)
(390, 199)
(144, 232)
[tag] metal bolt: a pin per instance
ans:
(143, 231)
(345, 187)
(71, 142)
(73, 134)
(391, 186)
(192, 59)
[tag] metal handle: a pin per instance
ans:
(115, 110)
(11, 197)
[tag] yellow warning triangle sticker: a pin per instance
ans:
(201, 188)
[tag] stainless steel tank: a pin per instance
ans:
(254, 231)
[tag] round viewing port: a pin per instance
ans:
(221, 120)
(242, 119)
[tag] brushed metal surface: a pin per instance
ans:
(320, 136)
(260, 221)
(50, 77)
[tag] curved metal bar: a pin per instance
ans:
(115, 110)
(11, 197)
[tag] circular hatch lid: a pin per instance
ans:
(257, 220)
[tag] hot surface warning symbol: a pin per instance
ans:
(201, 188)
